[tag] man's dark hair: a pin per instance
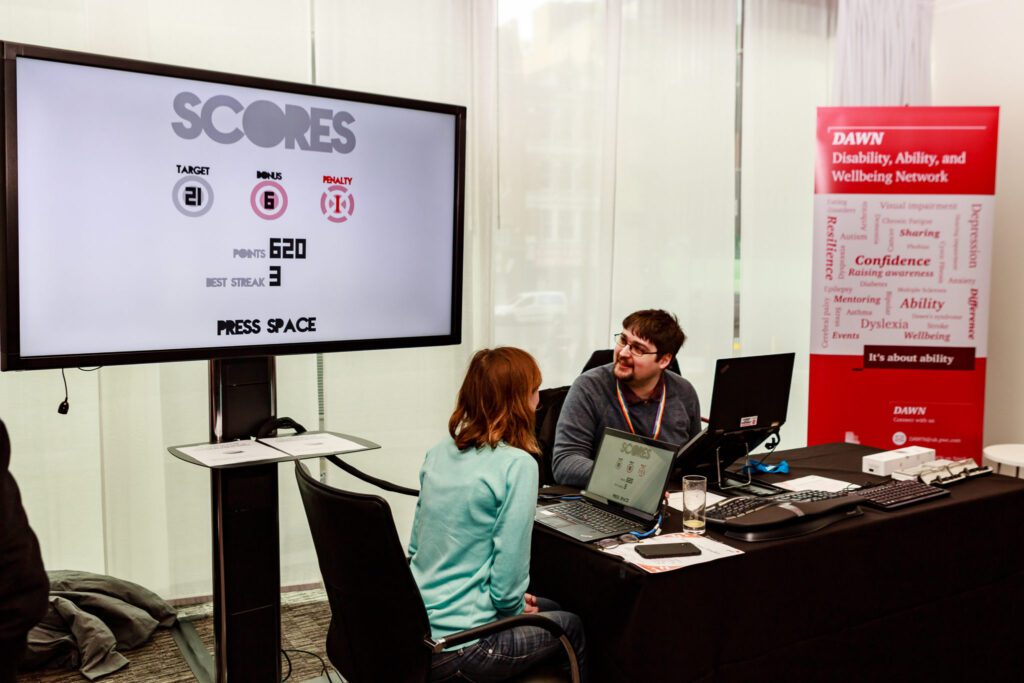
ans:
(659, 327)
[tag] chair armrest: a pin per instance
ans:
(535, 619)
(379, 483)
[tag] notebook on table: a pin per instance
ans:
(624, 491)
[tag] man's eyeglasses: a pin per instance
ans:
(620, 340)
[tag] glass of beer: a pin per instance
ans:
(695, 498)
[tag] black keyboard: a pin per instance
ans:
(897, 494)
(809, 496)
(734, 508)
(783, 515)
(592, 516)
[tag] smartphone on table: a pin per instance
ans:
(655, 551)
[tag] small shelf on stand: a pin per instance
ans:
(246, 555)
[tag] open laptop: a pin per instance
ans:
(748, 404)
(623, 493)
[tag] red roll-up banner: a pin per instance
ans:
(903, 214)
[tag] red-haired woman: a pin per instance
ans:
(470, 545)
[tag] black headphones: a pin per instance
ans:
(274, 423)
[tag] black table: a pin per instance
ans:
(933, 591)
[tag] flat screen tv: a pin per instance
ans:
(159, 213)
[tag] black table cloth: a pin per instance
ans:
(931, 591)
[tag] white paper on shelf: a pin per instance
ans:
(312, 443)
(230, 452)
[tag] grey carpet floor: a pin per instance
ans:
(304, 619)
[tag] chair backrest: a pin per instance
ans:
(606, 356)
(548, 410)
(378, 621)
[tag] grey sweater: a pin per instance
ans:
(592, 405)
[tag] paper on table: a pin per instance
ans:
(675, 500)
(710, 549)
(312, 444)
(230, 453)
(815, 483)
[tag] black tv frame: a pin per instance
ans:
(10, 348)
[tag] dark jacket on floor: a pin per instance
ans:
(91, 617)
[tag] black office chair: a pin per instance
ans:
(548, 410)
(379, 629)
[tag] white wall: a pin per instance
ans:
(976, 61)
(786, 76)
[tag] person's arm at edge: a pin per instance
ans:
(571, 457)
(510, 571)
(414, 536)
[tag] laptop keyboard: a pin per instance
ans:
(594, 517)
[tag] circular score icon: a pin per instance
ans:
(268, 200)
(337, 203)
(192, 196)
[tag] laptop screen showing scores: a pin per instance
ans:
(623, 493)
(629, 472)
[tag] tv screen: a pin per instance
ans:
(157, 213)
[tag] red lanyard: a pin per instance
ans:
(625, 410)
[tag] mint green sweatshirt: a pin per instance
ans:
(470, 544)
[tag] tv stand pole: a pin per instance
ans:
(246, 533)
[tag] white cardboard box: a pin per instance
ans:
(884, 464)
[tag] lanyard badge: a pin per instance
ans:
(625, 410)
